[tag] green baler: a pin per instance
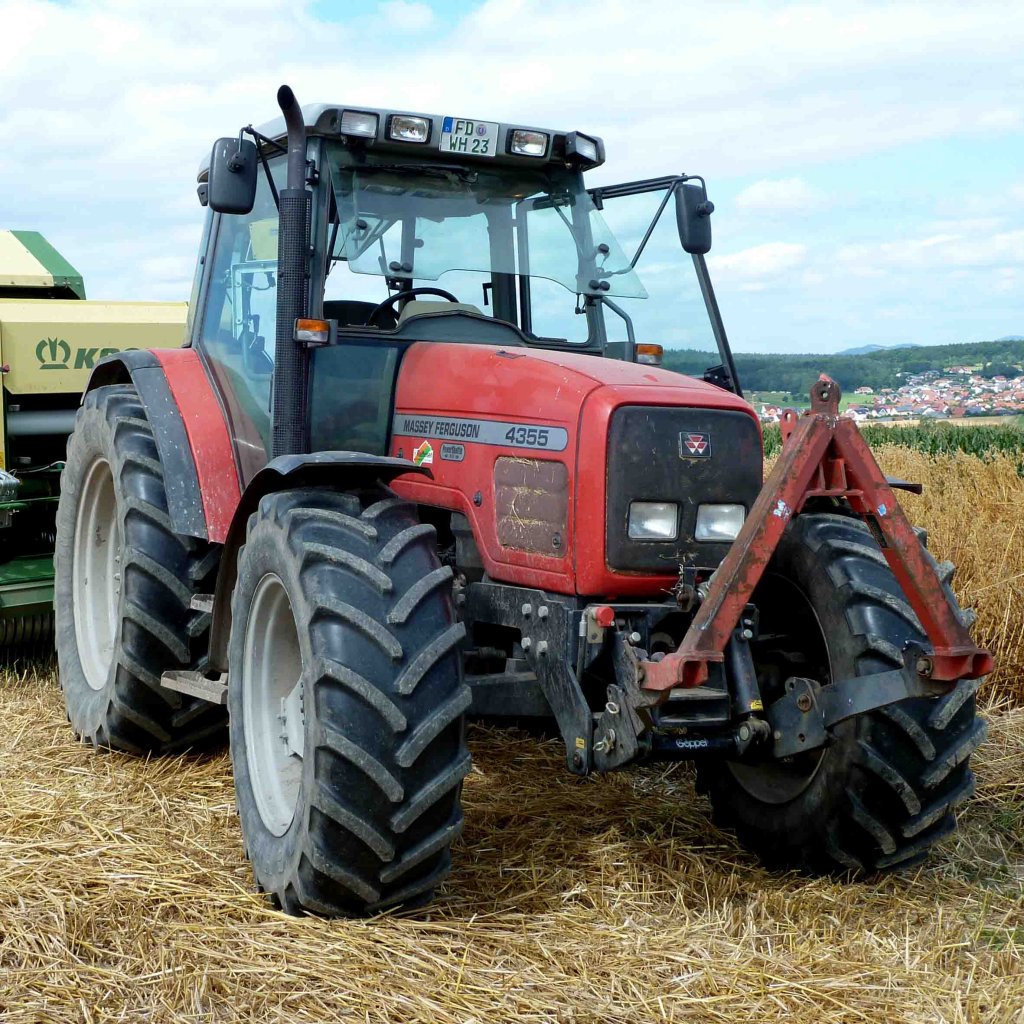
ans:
(50, 339)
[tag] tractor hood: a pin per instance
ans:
(538, 383)
(533, 446)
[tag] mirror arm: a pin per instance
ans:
(260, 139)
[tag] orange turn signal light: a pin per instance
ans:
(649, 354)
(312, 332)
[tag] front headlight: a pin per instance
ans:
(719, 522)
(653, 520)
(361, 123)
(523, 142)
(406, 128)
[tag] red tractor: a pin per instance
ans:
(395, 513)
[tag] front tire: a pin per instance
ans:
(885, 788)
(123, 587)
(346, 703)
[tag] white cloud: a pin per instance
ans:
(407, 14)
(1003, 118)
(938, 252)
(774, 197)
(760, 261)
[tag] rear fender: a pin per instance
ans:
(338, 471)
(191, 435)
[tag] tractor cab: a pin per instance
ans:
(442, 228)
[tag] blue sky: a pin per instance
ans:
(866, 160)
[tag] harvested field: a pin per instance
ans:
(974, 512)
(124, 895)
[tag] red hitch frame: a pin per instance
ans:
(823, 456)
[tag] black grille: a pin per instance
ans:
(646, 449)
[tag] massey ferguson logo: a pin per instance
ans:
(694, 445)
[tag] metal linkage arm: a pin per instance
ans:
(822, 456)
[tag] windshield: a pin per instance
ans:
(421, 221)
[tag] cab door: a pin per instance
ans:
(235, 332)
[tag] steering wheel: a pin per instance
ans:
(406, 293)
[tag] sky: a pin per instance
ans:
(866, 160)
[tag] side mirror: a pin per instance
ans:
(232, 183)
(693, 215)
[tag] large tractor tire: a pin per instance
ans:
(346, 703)
(123, 588)
(885, 788)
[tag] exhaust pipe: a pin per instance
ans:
(291, 360)
(296, 137)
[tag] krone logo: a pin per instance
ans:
(53, 354)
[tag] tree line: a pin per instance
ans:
(885, 368)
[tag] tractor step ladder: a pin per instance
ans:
(195, 684)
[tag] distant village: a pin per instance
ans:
(953, 392)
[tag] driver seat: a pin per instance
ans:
(416, 307)
(354, 313)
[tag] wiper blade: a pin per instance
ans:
(432, 170)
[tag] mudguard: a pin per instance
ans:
(339, 470)
(191, 435)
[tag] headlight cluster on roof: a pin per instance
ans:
(484, 138)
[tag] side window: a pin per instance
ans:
(674, 315)
(197, 280)
(239, 320)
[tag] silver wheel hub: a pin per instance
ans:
(272, 704)
(96, 574)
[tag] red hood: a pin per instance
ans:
(534, 382)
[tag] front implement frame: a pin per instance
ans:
(823, 456)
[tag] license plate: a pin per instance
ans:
(469, 138)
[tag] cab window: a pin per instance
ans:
(239, 320)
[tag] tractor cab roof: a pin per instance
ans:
(448, 138)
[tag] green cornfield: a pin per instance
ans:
(984, 440)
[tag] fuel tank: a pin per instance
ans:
(517, 441)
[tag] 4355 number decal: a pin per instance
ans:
(529, 437)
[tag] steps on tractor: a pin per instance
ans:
(195, 684)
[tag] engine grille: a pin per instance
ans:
(650, 459)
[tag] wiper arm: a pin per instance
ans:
(432, 170)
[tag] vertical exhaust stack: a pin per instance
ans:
(291, 359)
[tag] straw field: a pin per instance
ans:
(124, 895)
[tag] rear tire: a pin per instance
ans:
(350, 754)
(886, 787)
(123, 587)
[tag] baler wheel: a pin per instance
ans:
(346, 703)
(123, 587)
(886, 788)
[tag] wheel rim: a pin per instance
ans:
(778, 782)
(96, 574)
(272, 710)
